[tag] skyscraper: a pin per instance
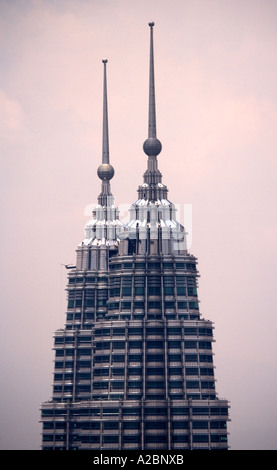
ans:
(134, 363)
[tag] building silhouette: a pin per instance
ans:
(134, 363)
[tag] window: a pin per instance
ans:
(200, 424)
(218, 438)
(190, 331)
(192, 384)
(131, 425)
(135, 371)
(87, 351)
(154, 290)
(180, 438)
(116, 266)
(118, 331)
(135, 384)
(135, 344)
(102, 345)
(206, 371)
(156, 439)
(175, 371)
(180, 425)
(155, 331)
(154, 304)
(191, 370)
(174, 331)
(190, 344)
(117, 358)
(101, 372)
(205, 345)
(59, 353)
(205, 358)
(155, 371)
(131, 411)
(178, 411)
(200, 438)
(110, 439)
(135, 331)
(219, 411)
(59, 340)
(168, 290)
(205, 331)
(154, 344)
(174, 358)
(155, 411)
(116, 371)
(110, 411)
(200, 411)
(193, 305)
(115, 292)
(156, 384)
(175, 384)
(182, 305)
(118, 345)
(139, 290)
(80, 376)
(98, 359)
(134, 358)
(191, 357)
(140, 266)
(127, 265)
(139, 305)
(100, 386)
(190, 266)
(155, 357)
(117, 385)
(126, 305)
(156, 425)
(89, 298)
(174, 344)
(218, 425)
(131, 439)
(127, 291)
(169, 305)
(101, 332)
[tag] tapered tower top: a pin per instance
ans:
(152, 146)
(105, 170)
(102, 230)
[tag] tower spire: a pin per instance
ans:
(105, 170)
(152, 146)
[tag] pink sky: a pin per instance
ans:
(216, 93)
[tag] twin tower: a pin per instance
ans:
(133, 367)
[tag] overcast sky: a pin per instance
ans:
(216, 94)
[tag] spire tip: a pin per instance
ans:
(151, 24)
(104, 61)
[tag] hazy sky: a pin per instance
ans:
(216, 93)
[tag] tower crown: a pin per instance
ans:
(103, 228)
